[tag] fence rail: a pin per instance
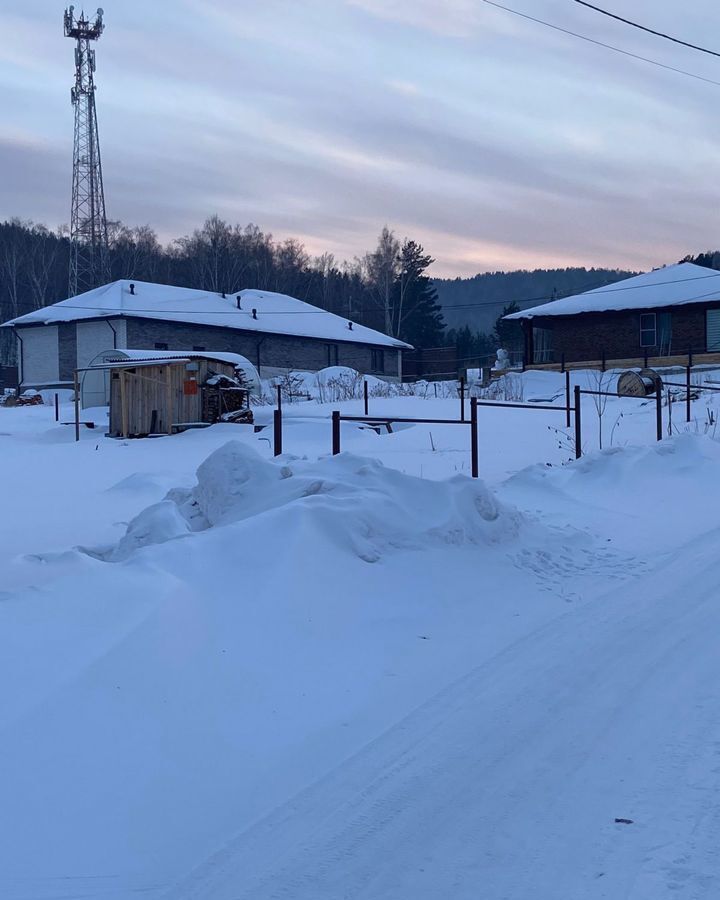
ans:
(337, 418)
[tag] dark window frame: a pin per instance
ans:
(377, 360)
(647, 330)
(333, 354)
(542, 344)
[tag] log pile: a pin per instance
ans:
(225, 399)
(28, 399)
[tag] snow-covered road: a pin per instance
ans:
(508, 783)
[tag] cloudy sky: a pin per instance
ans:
(497, 142)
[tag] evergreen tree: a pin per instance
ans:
(417, 318)
(472, 347)
(710, 259)
(509, 335)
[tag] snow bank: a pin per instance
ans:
(622, 490)
(355, 502)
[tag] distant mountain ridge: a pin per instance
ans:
(478, 301)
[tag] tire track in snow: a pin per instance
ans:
(506, 784)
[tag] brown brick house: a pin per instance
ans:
(666, 313)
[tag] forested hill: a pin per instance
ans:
(478, 301)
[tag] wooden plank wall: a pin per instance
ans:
(147, 390)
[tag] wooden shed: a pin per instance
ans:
(164, 396)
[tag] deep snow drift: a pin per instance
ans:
(356, 503)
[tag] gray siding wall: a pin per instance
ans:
(267, 351)
(39, 355)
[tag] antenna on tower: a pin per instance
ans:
(88, 222)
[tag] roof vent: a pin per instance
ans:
(350, 325)
(132, 288)
(237, 299)
(254, 314)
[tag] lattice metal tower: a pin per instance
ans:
(88, 223)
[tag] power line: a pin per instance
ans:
(129, 311)
(583, 37)
(590, 287)
(668, 37)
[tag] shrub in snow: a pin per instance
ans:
(508, 387)
(338, 383)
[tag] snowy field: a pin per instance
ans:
(229, 677)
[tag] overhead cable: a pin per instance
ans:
(584, 37)
(662, 34)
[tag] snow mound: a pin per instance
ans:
(621, 488)
(658, 466)
(352, 501)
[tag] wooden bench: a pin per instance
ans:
(378, 424)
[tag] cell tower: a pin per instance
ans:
(88, 223)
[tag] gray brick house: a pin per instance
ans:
(275, 332)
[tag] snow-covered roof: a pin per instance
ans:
(233, 359)
(670, 286)
(276, 313)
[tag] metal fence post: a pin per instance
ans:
(462, 399)
(687, 394)
(277, 425)
(578, 424)
(474, 437)
(366, 397)
(277, 431)
(567, 399)
(57, 408)
(76, 389)
(658, 413)
(335, 432)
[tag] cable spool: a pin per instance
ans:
(639, 384)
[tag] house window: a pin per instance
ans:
(199, 348)
(332, 354)
(543, 345)
(377, 362)
(648, 330)
(664, 333)
(712, 328)
(161, 346)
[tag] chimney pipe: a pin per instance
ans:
(350, 325)
(254, 314)
(238, 301)
(132, 288)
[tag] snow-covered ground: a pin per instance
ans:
(225, 676)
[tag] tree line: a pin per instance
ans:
(387, 288)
